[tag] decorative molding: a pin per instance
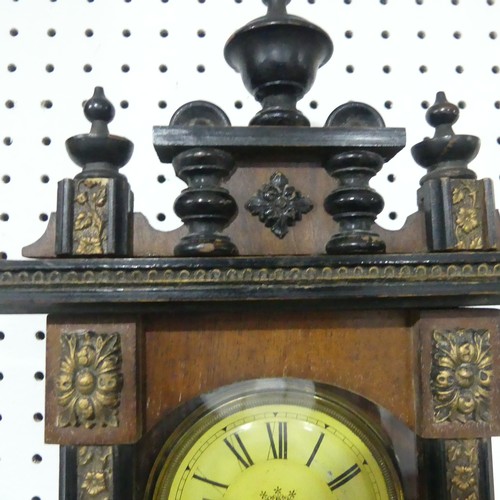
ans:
(88, 387)
(467, 214)
(166, 275)
(278, 495)
(461, 375)
(90, 220)
(462, 469)
(95, 472)
(279, 205)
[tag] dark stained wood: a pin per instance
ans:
(367, 353)
(129, 427)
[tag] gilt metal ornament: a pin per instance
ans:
(461, 375)
(90, 380)
(95, 472)
(462, 462)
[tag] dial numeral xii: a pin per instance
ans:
(279, 449)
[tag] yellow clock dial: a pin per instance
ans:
(277, 445)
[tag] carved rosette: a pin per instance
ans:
(278, 494)
(467, 214)
(462, 460)
(90, 216)
(95, 472)
(461, 375)
(88, 387)
(279, 205)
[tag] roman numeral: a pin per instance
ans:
(344, 477)
(209, 481)
(315, 450)
(246, 461)
(281, 450)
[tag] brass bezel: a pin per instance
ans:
(250, 394)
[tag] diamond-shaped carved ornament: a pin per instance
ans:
(279, 205)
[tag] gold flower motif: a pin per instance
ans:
(278, 495)
(89, 245)
(467, 219)
(461, 375)
(90, 380)
(463, 477)
(94, 483)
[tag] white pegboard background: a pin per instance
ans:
(151, 56)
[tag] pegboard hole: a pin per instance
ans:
(455, 2)
(1, 376)
(9, 104)
(498, 140)
(459, 69)
(493, 35)
(391, 177)
(162, 104)
(51, 32)
(126, 33)
(87, 68)
(49, 68)
(43, 217)
(386, 69)
(238, 104)
(393, 215)
(6, 179)
(12, 67)
(348, 34)
(124, 104)
(347, 2)
(424, 104)
(47, 104)
(36, 459)
(385, 34)
(46, 141)
(457, 35)
(39, 376)
(495, 69)
(36, 498)
(2, 335)
(312, 1)
(40, 335)
(383, 2)
(421, 35)
(419, 2)
(349, 68)
(201, 33)
(497, 104)
(161, 179)
(423, 69)
(125, 68)
(45, 179)
(37, 417)
(89, 33)
(313, 104)
(7, 141)
(163, 33)
(462, 104)
(14, 32)
(490, 2)
(388, 104)
(3, 256)
(161, 217)
(200, 68)
(162, 68)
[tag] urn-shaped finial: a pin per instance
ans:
(278, 56)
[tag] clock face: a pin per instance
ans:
(276, 444)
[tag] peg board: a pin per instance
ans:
(151, 56)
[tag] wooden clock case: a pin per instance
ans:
(254, 285)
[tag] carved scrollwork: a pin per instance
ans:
(279, 205)
(90, 380)
(467, 214)
(462, 469)
(461, 375)
(90, 216)
(95, 472)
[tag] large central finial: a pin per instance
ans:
(278, 56)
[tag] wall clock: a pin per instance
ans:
(261, 283)
(276, 439)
